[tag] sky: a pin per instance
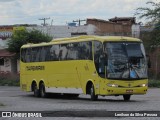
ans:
(62, 12)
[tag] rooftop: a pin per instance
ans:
(5, 53)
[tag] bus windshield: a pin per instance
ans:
(124, 60)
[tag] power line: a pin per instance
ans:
(79, 21)
(44, 21)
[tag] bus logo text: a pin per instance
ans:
(34, 68)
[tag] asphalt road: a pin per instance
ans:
(13, 99)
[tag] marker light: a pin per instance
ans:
(112, 85)
(144, 85)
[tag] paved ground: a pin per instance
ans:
(13, 99)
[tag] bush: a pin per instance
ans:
(154, 83)
(9, 80)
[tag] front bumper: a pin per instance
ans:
(123, 91)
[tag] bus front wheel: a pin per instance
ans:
(92, 93)
(126, 97)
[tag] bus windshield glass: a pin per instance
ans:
(125, 60)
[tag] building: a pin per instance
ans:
(118, 26)
(111, 27)
(124, 26)
(59, 31)
(124, 20)
(8, 62)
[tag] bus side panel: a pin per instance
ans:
(86, 73)
(62, 75)
(32, 72)
(23, 82)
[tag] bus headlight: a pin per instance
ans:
(112, 85)
(143, 85)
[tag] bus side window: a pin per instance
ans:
(37, 54)
(63, 52)
(34, 55)
(80, 51)
(54, 52)
(98, 49)
(23, 55)
(47, 53)
(89, 50)
(28, 55)
(85, 51)
(72, 51)
(42, 55)
(91, 53)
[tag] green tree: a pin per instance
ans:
(156, 35)
(153, 15)
(21, 37)
(151, 39)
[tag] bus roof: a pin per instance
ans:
(85, 38)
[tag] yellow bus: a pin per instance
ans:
(94, 65)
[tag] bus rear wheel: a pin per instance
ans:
(126, 97)
(42, 91)
(36, 91)
(92, 93)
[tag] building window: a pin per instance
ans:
(1, 61)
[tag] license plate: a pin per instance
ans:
(129, 91)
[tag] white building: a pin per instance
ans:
(136, 30)
(65, 31)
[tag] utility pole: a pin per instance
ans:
(79, 21)
(44, 19)
(52, 22)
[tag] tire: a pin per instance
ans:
(42, 91)
(36, 91)
(92, 93)
(126, 97)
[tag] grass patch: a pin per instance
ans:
(12, 80)
(154, 83)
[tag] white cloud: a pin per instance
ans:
(7, 0)
(29, 11)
